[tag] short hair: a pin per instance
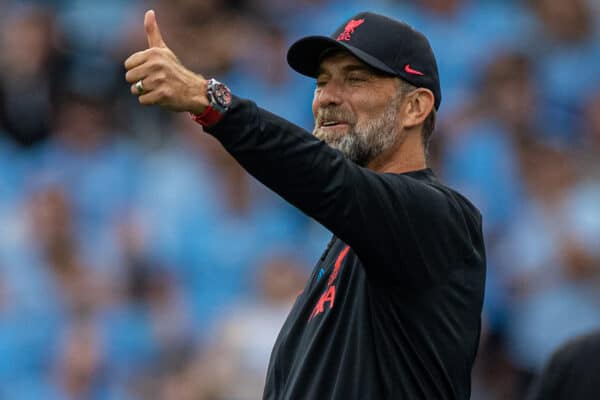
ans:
(429, 124)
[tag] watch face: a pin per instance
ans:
(222, 94)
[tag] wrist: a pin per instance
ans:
(219, 99)
(198, 107)
(199, 99)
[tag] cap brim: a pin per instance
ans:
(304, 56)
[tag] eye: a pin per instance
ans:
(321, 82)
(356, 78)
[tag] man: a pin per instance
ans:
(392, 309)
(572, 371)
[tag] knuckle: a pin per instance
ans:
(156, 65)
(163, 92)
(158, 53)
(160, 77)
(158, 93)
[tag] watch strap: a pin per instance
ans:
(209, 117)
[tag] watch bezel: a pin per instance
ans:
(219, 95)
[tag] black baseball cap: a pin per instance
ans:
(387, 45)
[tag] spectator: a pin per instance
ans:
(53, 227)
(547, 261)
(262, 74)
(80, 363)
(234, 366)
(588, 148)
(31, 72)
(98, 169)
(565, 44)
(482, 141)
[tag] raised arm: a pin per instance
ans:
(385, 217)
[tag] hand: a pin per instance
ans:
(165, 80)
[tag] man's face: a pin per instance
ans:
(355, 108)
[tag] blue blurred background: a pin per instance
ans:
(138, 261)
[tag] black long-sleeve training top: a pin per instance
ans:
(392, 308)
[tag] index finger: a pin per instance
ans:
(136, 59)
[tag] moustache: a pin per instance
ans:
(334, 114)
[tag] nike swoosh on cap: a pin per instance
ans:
(409, 70)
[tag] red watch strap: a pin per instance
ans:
(208, 118)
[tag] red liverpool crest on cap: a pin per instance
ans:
(349, 29)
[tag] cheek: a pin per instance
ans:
(364, 112)
(367, 118)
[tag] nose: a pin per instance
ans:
(329, 94)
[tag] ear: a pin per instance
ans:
(417, 106)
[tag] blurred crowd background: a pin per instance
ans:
(138, 261)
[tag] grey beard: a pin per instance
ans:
(364, 143)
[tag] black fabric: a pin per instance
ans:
(572, 372)
(390, 46)
(392, 310)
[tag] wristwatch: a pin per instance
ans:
(219, 100)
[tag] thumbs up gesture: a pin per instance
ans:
(157, 76)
